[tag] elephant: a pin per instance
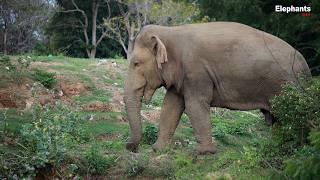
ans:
(216, 64)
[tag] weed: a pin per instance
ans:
(114, 145)
(136, 164)
(161, 166)
(47, 79)
(150, 133)
(95, 161)
(181, 160)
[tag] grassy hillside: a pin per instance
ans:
(84, 135)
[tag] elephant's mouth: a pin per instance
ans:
(147, 94)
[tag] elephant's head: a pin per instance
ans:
(143, 78)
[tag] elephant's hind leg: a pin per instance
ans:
(269, 118)
(172, 109)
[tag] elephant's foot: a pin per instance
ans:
(202, 149)
(158, 146)
(269, 118)
(133, 147)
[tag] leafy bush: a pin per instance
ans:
(150, 134)
(47, 79)
(95, 161)
(297, 110)
(294, 144)
(15, 69)
(304, 164)
(43, 143)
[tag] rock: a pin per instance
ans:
(72, 89)
(114, 64)
(43, 100)
(92, 116)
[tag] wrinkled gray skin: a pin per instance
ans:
(219, 64)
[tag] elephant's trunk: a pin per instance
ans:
(133, 105)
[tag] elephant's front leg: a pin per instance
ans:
(198, 111)
(172, 109)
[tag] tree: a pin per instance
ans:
(134, 14)
(21, 24)
(76, 28)
(91, 46)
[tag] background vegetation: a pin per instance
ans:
(106, 28)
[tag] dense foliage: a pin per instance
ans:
(66, 30)
(43, 143)
(294, 144)
(47, 79)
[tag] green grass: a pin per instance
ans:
(99, 127)
(12, 120)
(92, 96)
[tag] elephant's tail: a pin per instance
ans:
(299, 66)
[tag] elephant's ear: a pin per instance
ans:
(160, 51)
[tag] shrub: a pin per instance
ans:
(294, 144)
(47, 79)
(43, 143)
(298, 111)
(15, 69)
(304, 164)
(150, 134)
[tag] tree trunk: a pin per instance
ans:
(93, 52)
(130, 48)
(95, 7)
(5, 34)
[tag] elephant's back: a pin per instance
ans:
(245, 49)
(248, 66)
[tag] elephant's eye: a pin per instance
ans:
(136, 64)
